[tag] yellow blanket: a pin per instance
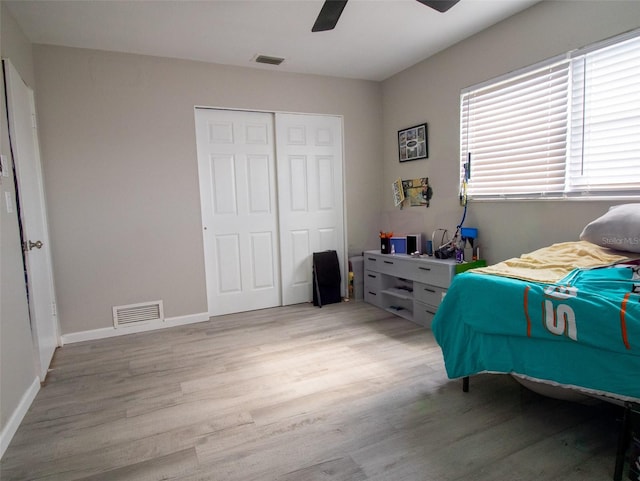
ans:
(550, 264)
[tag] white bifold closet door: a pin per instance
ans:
(236, 167)
(310, 193)
(269, 200)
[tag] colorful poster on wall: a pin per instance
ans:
(417, 192)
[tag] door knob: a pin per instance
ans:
(37, 245)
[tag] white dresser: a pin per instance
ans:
(407, 286)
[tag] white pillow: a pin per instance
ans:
(617, 229)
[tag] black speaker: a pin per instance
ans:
(326, 278)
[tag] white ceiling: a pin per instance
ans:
(374, 39)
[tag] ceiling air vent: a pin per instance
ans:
(269, 60)
(137, 313)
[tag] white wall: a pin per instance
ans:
(119, 156)
(17, 365)
(118, 147)
(430, 91)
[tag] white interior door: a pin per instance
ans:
(239, 209)
(310, 193)
(26, 152)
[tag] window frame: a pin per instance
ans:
(568, 191)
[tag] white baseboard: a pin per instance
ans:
(17, 416)
(106, 332)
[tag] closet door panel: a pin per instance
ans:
(236, 164)
(310, 193)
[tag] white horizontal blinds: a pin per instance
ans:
(516, 132)
(605, 140)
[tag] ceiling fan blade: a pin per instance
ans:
(329, 15)
(440, 5)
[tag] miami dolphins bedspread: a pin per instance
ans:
(582, 331)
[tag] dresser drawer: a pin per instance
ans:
(423, 314)
(386, 264)
(428, 294)
(372, 297)
(437, 274)
(373, 280)
(371, 262)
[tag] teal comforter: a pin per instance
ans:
(582, 331)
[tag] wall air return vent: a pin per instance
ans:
(137, 313)
(269, 60)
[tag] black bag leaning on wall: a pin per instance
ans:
(326, 278)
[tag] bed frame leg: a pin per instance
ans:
(623, 442)
(465, 384)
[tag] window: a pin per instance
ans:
(567, 127)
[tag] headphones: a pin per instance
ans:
(447, 247)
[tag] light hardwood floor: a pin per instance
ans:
(345, 392)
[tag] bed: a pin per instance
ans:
(566, 315)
